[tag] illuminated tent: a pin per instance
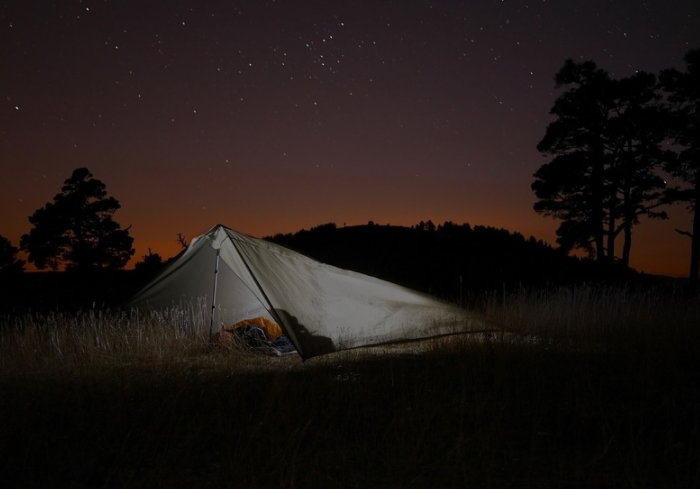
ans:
(321, 308)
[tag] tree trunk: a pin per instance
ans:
(628, 216)
(611, 234)
(612, 216)
(693, 276)
(627, 245)
(597, 212)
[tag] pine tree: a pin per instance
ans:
(77, 230)
(684, 98)
(606, 147)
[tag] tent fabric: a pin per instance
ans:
(321, 308)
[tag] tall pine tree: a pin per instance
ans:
(606, 148)
(77, 230)
(684, 98)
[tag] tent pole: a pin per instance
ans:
(213, 298)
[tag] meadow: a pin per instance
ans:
(585, 386)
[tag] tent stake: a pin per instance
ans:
(213, 298)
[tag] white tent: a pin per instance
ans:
(320, 308)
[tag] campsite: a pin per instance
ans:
(581, 384)
(349, 244)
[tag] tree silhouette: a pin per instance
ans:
(684, 98)
(77, 229)
(606, 142)
(150, 264)
(8, 257)
(182, 241)
(571, 186)
(638, 128)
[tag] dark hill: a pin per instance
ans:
(447, 258)
(450, 261)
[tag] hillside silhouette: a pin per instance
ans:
(451, 261)
(447, 259)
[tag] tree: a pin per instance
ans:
(638, 128)
(684, 97)
(77, 229)
(571, 186)
(182, 241)
(149, 264)
(8, 257)
(606, 142)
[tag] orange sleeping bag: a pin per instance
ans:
(271, 329)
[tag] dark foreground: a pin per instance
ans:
(479, 415)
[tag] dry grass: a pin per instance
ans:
(586, 388)
(93, 340)
(649, 322)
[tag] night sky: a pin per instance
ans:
(272, 116)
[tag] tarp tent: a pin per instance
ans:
(321, 308)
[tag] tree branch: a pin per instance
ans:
(684, 233)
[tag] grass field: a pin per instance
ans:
(586, 387)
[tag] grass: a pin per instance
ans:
(589, 387)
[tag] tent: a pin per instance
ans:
(321, 308)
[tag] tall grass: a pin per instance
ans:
(170, 340)
(40, 343)
(585, 387)
(629, 320)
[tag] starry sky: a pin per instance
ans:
(272, 116)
